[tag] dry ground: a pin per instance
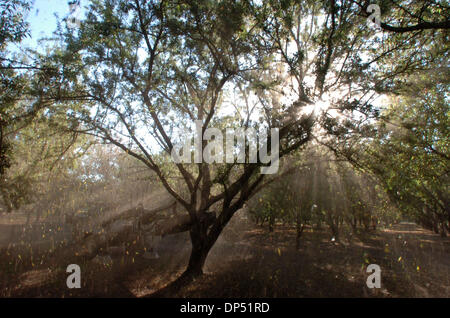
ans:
(248, 261)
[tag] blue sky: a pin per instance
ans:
(42, 18)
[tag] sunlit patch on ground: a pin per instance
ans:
(35, 278)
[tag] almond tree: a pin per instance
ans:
(139, 74)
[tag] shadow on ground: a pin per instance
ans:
(248, 261)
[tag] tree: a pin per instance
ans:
(32, 140)
(13, 30)
(147, 70)
(406, 147)
(397, 139)
(289, 198)
(137, 74)
(413, 140)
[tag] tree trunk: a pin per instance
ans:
(201, 245)
(28, 219)
(300, 228)
(197, 259)
(199, 252)
(435, 228)
(443, 232)
(354, 224)
(334, 227)
(271, 224)
(374, 224)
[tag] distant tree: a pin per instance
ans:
(407, 148)
(404, 141)
(413, 139)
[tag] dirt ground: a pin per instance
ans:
(247, 261)
(414, 263)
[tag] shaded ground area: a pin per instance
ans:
(414, 263)
(248, 261)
